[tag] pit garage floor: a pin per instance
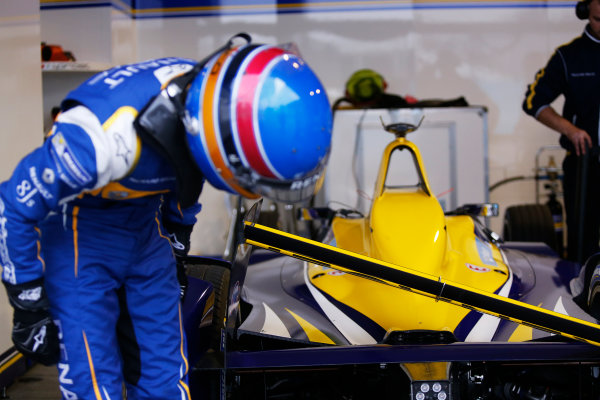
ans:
(39, 383)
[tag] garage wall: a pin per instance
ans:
(485, 51)
(20, 103)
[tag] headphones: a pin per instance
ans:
(582, 9)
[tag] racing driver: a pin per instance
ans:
(85, 219)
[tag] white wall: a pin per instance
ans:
(486, 55)
(20, 102)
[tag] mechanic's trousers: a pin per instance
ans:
(580, 248)
(111, 280)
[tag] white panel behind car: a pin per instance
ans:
(453, 143)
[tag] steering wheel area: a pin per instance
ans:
(401, 129)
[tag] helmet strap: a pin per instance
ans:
(177, 88)
(160, 124)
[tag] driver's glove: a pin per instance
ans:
(34, 333)
(179, 235)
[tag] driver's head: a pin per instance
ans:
(259, 123)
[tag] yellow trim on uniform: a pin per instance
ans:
(75, 240)
(50, 132)
(116, 191)
(313, 333)
(532, 88)
(185, 387)
(92, 371)
(183, 356)
(121, 110)
(138, 153)
(158, 227)
(538, 76)
(182, 349)
(111, 120)
(39, 249)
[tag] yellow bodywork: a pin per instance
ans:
(407, 227)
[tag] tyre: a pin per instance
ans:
(529, 223)
(589, 279)
(218, 276)
(594, 302)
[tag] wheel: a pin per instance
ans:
(594, 302)
(530, 223)
(589, 279)
(218, 276)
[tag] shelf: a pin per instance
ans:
(74, 66)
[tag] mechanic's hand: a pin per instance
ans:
(34, 333)
(581, 140)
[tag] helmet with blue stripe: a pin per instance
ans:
(258, 123)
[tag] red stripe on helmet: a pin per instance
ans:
(245, 106)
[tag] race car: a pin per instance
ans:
(407, 302)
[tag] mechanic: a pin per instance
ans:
(85, 219)
(574, 72)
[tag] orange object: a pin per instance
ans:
(52, 52)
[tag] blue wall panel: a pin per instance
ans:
(200, 8)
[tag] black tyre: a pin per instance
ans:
(589, 298)
(218, 276)
(594, 302)
(529, 223)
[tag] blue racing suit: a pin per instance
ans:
(85, 211)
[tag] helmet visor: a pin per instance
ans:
(284, 191)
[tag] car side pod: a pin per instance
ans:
(420, 283)
(211, 308)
